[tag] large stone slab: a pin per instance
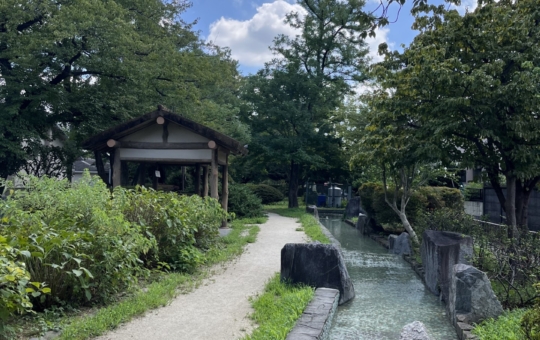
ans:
(399, 245)
(354, 207)
(317, 265)
(315, 322)
(414, 331)
(471, 298)
(440, 251)
(363, 224)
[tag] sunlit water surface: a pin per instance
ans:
(389, 294)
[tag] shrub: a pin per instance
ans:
(182, 226)
(505, 327)
(78, 244)
(243, 202)
(423, 199)
(267, 194)
(531, 319)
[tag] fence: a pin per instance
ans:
(495, 213)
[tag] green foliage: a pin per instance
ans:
(182, 226)
(243, 202)
(267, 193)
(79, 244)
(531, 319)
(505, 327)
(278, 308)
(86, 65)
(423, 199)
(15, 287)
(442, 83)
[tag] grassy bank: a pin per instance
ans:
(309, 223)
(278, 308)
(85, 324)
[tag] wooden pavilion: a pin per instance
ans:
(162, 137)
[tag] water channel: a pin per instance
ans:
(389, 294)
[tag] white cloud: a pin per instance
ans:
(466, 5)
(381, 36)
(249, 40)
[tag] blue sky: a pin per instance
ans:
(247, 27)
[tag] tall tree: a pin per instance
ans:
(292, 98)
(471, 84)
(83, 65)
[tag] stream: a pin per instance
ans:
(389, 294)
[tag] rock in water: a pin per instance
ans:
(362, 224)
(414, 331)
(400, 244)
(471, 298)
(317, 265)
(354, 207)
(440, 251)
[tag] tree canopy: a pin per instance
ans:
(470, 85)
(72, 67)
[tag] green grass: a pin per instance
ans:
(278, 308)
(309, 223)
(505, 327)
(156, 294)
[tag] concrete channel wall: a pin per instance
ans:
(315, 322)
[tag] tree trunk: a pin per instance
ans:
(511, 205)
(408, 227)
(293, 185)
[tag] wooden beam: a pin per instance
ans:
(165, 135)
(124, 180)
(212, 145)
(225, 190)
(146, 145)
(160, 120)
(117, 169)
(214, 176)
(198, 179)
(205, 181)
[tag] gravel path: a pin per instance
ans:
(218, 309)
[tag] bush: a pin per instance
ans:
(243, 202)
(182, 226)
(505, 327)
(423, 199)
(267, 194)
(77, 243)
(531, 319)
(14, 280)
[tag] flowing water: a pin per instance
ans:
(389, 294)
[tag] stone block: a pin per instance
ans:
(440, 251)
(317, 265)
(414, 331)
(354, 207)
(362, 224)
(400, 244)
(471, 298)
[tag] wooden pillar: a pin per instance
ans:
(214, 176)
(198, 180)
(183, 187)
(205, 181)
(225, 189)
(117, 169)
(124, 180)
(142, 174)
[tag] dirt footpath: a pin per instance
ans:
(218, 309)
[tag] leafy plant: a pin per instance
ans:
(243, 202)
(531, 319)
(267, 193)
(76, 242)
(505, 327)
(182, 226)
